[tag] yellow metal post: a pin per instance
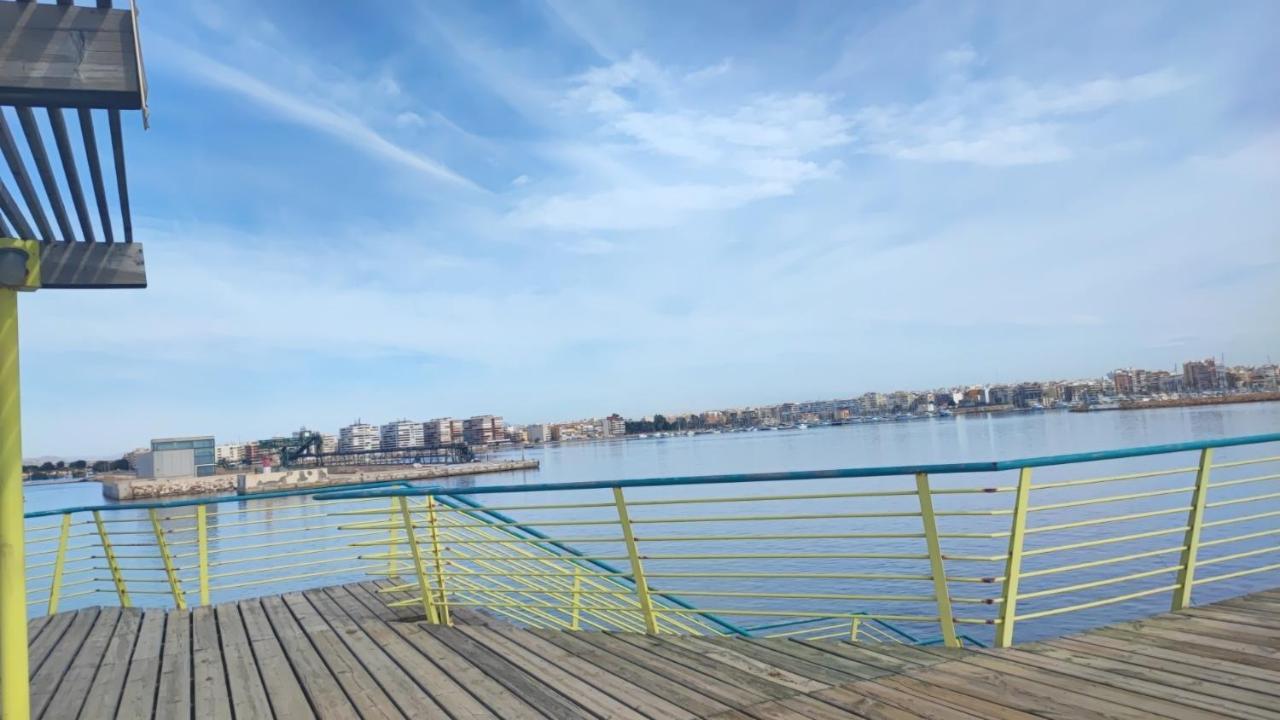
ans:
(936, 567)
(853, 629)
(637, 569)
(116, 577)
(1013, 562)
(55, 585)
(175, 585)
(1191, 542)
(393, 568)
(424, 587)
(15, 699)
(576, 623)
(202, 549)
(438, 556)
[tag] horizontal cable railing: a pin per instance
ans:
(947, 553)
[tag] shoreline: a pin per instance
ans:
(1182, 402)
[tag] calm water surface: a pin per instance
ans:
(926, 441)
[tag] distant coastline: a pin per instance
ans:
(1181, 402)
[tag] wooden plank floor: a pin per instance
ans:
(339, 652)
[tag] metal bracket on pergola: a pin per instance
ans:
(58, 61)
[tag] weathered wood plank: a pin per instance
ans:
(248, 694)
(138, 698)
(322, 689)
(854, 703)
(679, 655)
(1176, 654)
(724, 653)
(76, 265)
(49, 636)
(104, 694)
(45, 681)
(173, 698)
(401, 688)
(355, 681)
(452, 697)
(980, 707)
(69, 695)
(211, 697)
(285, 693)
(495, 696)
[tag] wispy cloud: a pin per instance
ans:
(316, 114)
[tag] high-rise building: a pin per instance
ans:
(1200, 375)
(538, 433)
(615, 425)
(231, 453)
(440, 432)
(328, 443)
(359, 437)
(482, 430)
(401, 434)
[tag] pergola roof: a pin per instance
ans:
(60, 61)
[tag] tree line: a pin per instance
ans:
(75, 468)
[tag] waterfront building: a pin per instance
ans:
(177, 457)
(401, 434)
(482, 430)
(328, 443)
(1200, 375)
(538, 433)
(358, 437)
(439, 432)
(1028, 394)
(230, 453)
(615, 425)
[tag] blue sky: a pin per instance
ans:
(551, 209)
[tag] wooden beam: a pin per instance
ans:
(41, 156)
(74, 265)
(63, 141)
(68, 56)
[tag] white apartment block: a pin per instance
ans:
(539, 433)
(232, 453)
(401, 434)
(358, 437)
(440, 431)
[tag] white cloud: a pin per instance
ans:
(588, 246)
(310, 112)
(408, 119)
(520, 180)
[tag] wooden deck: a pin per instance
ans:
(340, 653)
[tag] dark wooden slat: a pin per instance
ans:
(769, 656)
(724, 653)
(67, 56)
(857, 704)
(45, 681)
(9, 206)
(672, 690)
(69, 695)
(104, 694)
(594, 699)
(1214, 628)
(699, 682)
(322, 689)
(496, 697)
(210, 696)
(925, 707)
(92, 265)
(1159, 693)
(1140, 651)
(946, 696)
(453, 698)
(248, 694)
(843, 663)
(679, 656)
(122, 178)
(9, 148)
(173, 697)
(529, 688)
(355, 680)
(49, 636)
(138, 698)
(35, 142)
(1203, 646)
(58, 123)
(866, 655)
(1264, 623)
(399, 687)
(90, 138)
(284, 691)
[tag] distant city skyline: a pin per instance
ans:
(554, 209)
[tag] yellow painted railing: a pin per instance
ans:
(920, 554)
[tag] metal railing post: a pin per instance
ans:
(853, 629)
(170, 572)
(393, 567)
(637, 569)
(941, 593)
(1191, 541)
(576, 623)
(122, 592)
(443, 605)
(55, 585)
(424, 587)
(15, 697)
(1013, 562)
(202, 550)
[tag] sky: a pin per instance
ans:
(549, 209)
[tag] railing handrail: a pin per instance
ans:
(835, 473)
(216, 500)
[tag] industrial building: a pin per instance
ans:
(177, 457)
